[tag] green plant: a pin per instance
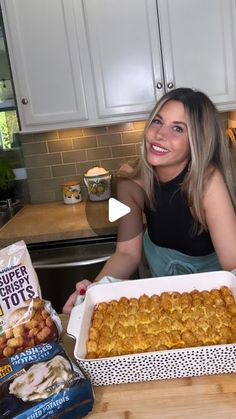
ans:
(7, 175)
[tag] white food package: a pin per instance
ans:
(26, 319)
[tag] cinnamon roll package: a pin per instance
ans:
(26, 319)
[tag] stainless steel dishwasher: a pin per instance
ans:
(59, 265)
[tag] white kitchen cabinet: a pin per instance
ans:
(196, 48)
(198, 40)
(54, 66)
(125, 50)
(45, 40)
(94, 62)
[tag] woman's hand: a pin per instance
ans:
(80, 289)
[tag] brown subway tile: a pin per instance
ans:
(26, 138)
(74, 156)
(84, 193)
(83, 167)
(45, 184)
(64, 170)
(38, 196)
(39, 172)
(43, 160)
(70, 133)
(113, 164)
(60, 145)
(60, 180)
(139, 125)
(58, 195)
(34, 148)
(123, 150)
(132, 137)
(98, 153)
(120, 127)
(80, 178)
(84, 142)
(94, 130)
(109, 139)
(138, 149)
(41, 184)
(39, 137)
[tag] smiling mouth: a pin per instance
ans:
(159, 149)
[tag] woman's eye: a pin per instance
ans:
(156, 121)
(177, 128)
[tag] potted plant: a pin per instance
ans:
(7, 179)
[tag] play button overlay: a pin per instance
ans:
(116, 210)
(102, 216)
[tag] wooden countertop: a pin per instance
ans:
(211, 396)
(37, 223)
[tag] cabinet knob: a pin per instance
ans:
(159, 85)
(24, 101)
(170, 85)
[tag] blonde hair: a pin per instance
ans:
(209, 150)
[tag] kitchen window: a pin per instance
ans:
(9, 127)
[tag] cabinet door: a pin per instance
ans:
(46, 63)
(125, 52)
(198, 46)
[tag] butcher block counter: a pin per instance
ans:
(37, 223)
(212, 396)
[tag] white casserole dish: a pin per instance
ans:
(188, 362)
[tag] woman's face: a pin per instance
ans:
(167, 142)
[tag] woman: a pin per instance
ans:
(185, 185)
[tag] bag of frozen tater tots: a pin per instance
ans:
(26, 319)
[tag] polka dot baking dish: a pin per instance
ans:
(151, 365)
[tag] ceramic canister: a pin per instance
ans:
(71, 192)
(99, 186)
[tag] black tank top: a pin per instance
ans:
(171, 223)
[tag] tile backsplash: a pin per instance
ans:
(54, 157)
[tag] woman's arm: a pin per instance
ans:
(123, 263)
(125, 260)
(221, 220)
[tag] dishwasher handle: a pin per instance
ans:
(70, 264)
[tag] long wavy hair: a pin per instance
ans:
(209, 149)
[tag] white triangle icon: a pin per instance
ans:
(116, 209)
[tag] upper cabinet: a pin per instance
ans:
(45, 56)
(198, 40)
(125, 49)
(94, 62)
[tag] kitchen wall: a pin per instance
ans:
(53, 157)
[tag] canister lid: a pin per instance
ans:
(71, 183)
(96, 171)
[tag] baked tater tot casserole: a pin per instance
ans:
(170, 320)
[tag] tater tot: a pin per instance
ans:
(9, 333)
(18, 331)
(15, 342)
(31, 324)
(44, 314)
(8, 351)
(43, 334)
(2, 339)
(33, 332)
(49, 322)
